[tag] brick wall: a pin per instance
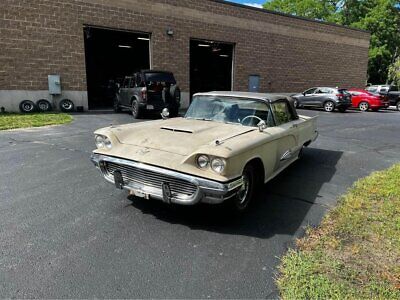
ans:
(42, 37)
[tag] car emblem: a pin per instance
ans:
(143, 151)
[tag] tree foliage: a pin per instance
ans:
(394, 72)
(380, 17)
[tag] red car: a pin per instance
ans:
(365, 100)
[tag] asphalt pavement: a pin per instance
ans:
(66, 233)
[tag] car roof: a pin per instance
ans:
(260, 96)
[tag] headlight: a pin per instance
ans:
(203, 161)
(218, 164)
(102, 141)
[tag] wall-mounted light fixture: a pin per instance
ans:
(170, 32)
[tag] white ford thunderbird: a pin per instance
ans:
(226, 146)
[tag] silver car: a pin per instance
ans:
(324, 97)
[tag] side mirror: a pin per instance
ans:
(303, 93)
(261, 126)
(165, 113)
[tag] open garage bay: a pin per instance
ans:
(65, 233)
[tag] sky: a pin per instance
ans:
(255, 3)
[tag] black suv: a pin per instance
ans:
(148, 90)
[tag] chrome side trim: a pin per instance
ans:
(207, 190)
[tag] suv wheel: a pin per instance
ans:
(136, 111)
(329, 106)
(363, 106)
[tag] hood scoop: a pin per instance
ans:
(177, 129)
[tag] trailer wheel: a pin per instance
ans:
(67, 105)
(27, 106)
(43, 105)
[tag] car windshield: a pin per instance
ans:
(160, 77)
(232, 110)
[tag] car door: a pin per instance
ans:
(321, 95)
(123, 91)
(288, 134)
(308, 97)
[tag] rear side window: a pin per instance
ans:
(282, 112)
(126, 82)
(354, 93)
(160, 77)
(324, 91)
(394, 89)
(372, 89)
(343, 91)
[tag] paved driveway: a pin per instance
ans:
(65, 232)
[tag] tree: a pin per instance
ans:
(313, 9)
(394, 72)
(380, 17)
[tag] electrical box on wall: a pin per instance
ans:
(54, 84)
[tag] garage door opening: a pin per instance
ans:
(111, 55)
(210, 66)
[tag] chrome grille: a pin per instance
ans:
(131, 174)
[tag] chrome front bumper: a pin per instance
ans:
(208, 191)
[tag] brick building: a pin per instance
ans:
(207, 44)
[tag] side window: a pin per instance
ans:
(138, 80)
(323, 91)
(132, 82)
(310, 91)
(355, 93)
(281, 112)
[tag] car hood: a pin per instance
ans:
(178, 135)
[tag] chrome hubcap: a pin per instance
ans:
(43, 106)
(244, 190)
(67, 105)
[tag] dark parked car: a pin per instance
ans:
(324, 97)
(148, 90)
(391, 93)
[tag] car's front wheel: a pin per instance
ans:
(329, 106)
(363, 106)
(398, 105)
(242, 199)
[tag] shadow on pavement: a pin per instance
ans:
(280, 208)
